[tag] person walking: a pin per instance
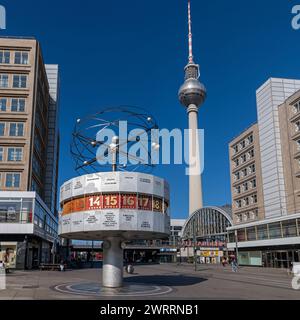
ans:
(62, 266)
(224, 262)
(234, 266)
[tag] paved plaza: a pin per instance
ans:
(167, 281)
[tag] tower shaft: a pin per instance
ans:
(195, 180)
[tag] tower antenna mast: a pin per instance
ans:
(191, 57)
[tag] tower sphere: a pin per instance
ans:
(192, 92)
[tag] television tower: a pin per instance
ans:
(192, 95)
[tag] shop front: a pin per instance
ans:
(270, 257)
(28, 230)
(281, 259)
(251, 258)
(210, 255)
(207, 252)
(273, 243)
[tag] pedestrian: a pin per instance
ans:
(224, 262)
(234, 265)
(62, 266)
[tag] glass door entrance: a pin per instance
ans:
(281, 259)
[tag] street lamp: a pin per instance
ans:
(236, 247)
(25, 242)
(92, 265)
(195, 249)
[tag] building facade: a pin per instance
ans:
(29, 138)
(246, 182)
(266, 227)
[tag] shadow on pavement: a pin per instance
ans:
(167, 280)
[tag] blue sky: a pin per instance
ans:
(133, 52)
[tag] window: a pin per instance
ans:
(244, 158)
(3, 102)
(1, 155)
(251, 234)
(38, 144)
(251, 154)
(12, 180)
(237, 162)
(250, 139)
(246, 216)
(3, 80)
(35, 187)
(239, 219)
(37, 168)
(239, 203)
(21, 57)
(254, 215)
(15, 154)
(296, 107)
(238, 190)
(2, 129)
(275, 230)
(253, 183)
(19, 81)
(16, 130)
(297, 126)
(298, 145)
(5, 57)
(254, 198)
(39, 124)
(245, 172)
(245, 186)
(246, 201)
(18, 105)
(252, 169)
(241, 235)
(289, 229)
(236, 149)
(237, 176)
(262, 232)
(243, 144)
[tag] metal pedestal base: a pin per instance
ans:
(112, 263)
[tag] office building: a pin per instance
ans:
(29, 148)
(246, 178)
(264, 164)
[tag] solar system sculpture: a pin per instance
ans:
(116, 199)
